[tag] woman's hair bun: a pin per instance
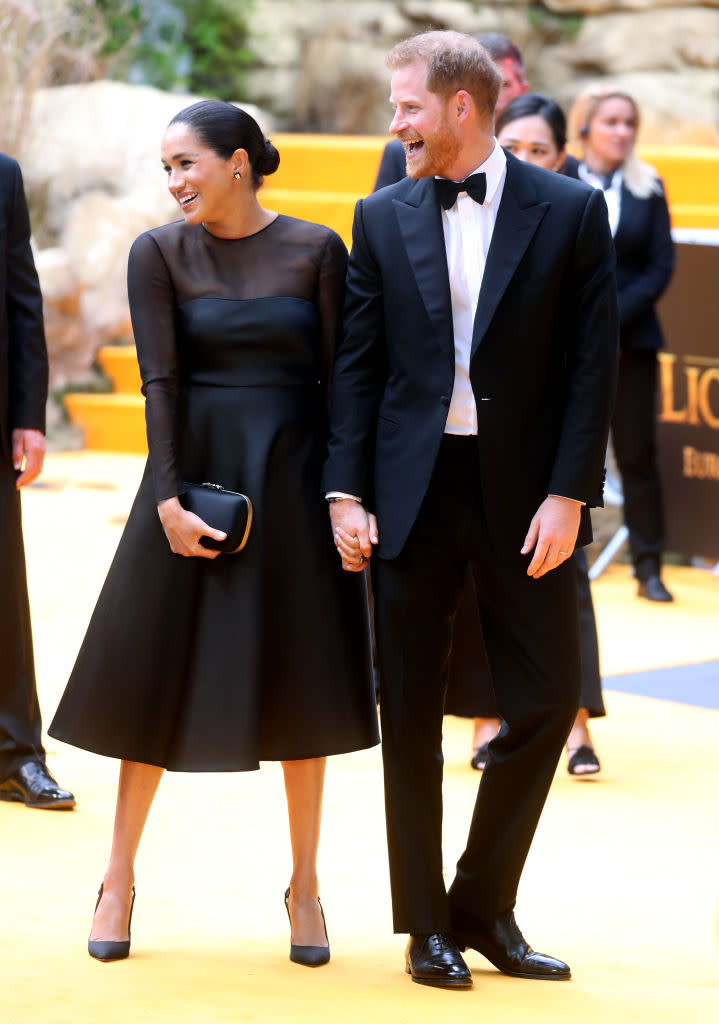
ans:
(268, 160)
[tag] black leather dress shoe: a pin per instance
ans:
(654, 590)
(33, 785)
(436, 960)
(504, 946)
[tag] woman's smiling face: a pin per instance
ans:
(197, 177)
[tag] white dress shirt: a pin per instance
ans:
(612, 193)
(468, 228)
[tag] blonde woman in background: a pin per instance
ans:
(603, 125)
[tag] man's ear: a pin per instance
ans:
(463, 106)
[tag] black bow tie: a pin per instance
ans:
(475, 186)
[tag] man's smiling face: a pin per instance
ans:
(431, 142)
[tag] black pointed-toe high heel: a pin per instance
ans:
(105, 949)
(308, 956)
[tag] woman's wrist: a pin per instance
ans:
(168, 508)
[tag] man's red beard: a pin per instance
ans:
(438, 150)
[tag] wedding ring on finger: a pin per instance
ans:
(563, 552)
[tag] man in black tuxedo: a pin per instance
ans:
(470, 411)
(23, 392)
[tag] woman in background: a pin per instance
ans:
(603, 123)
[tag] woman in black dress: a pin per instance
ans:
(604, 122)
(532, 127)
(194, 662)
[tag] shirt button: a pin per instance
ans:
(444, 400)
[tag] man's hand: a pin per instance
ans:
(355, 533)
(552, 534)
(28, 447)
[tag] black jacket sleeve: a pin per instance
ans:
(28, 378)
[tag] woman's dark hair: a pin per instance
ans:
(530, 104)
(224, 128)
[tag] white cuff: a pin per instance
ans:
(341, 494)
(564, 497)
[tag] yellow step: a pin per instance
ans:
(112, 423)
(119, 362)
(691, 173)
(335, 209)
(691, 176)
(327, 163)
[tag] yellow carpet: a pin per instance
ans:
(621, 880)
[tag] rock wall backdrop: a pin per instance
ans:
(321, 64)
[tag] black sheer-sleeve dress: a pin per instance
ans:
(195, 664)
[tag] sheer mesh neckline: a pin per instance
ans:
(240, 238)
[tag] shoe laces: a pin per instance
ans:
(442, 943)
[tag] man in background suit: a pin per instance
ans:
(24, 776)
(507, 60)
(470, 410)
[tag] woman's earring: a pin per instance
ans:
(237, 175)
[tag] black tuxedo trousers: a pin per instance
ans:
(531, 630)
(470, 690)
(20, 723)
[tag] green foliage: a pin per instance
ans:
(217, 40)
(184, 45)
(123, 20)
(555, 27)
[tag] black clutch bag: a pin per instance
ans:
(228, 511)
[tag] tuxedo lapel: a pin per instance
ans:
(518, 217)
(420, 224)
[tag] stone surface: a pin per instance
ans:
(341, 83)
(321, 65)
(676, 107)
(70, 343)
(602, 6)
(663, 40)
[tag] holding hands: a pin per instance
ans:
(355, 533)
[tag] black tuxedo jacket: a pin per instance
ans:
(645, 261)
(23, 356)
(543, 354)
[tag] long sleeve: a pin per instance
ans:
(152, 308)
(591, 361)
(359, 374)
(330, 302)
(638, 292)
(28, 353)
